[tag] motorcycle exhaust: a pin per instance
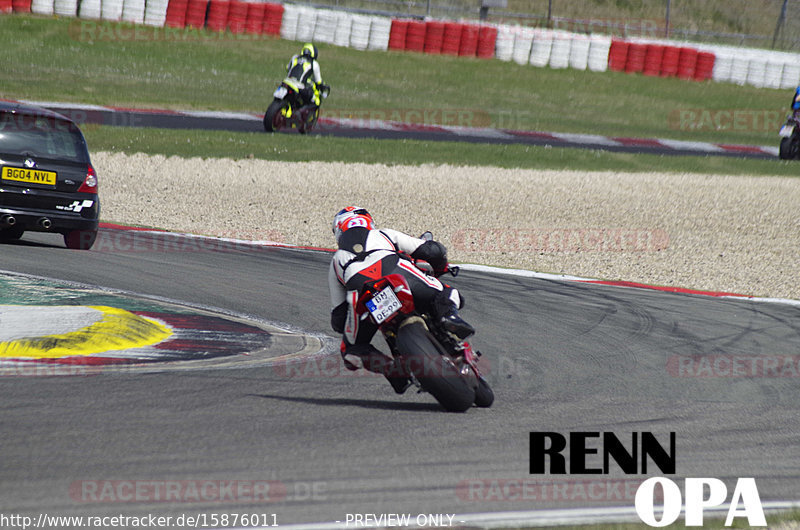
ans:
(8, 220)
(45, 223)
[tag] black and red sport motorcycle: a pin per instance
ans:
(435, 360)
(290, 108)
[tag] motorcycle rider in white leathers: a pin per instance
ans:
(366, 253)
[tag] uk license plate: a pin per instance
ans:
(280, 92)
(29, 176)
(383, 305)
(786, 131)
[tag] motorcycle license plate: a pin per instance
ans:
(383, 305)
(280, 92)
(786, 131)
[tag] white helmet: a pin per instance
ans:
(350, 217)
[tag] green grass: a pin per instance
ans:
(294, 147)
(106, 63)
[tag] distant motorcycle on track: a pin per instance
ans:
(293, 107)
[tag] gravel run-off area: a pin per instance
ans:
(708, 232)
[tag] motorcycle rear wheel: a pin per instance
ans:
(273, 118)
(484, 396)
(310, 121)
(434, 371)
(789, 148)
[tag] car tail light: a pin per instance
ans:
(90, 182)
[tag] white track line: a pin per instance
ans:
(219, 114)
(692, 146)
(582, 139)
(59, 105)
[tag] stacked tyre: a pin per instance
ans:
(599, 50)
(704, 69)
(325, 28)
(195, 13)
(653, 60)
(90, 9)
(291, 16)
(541, 48)
(273, 18)
(451, 39)
(434, 36)
(504, 43)
(487, 38)
(669, 61)
(237, 16)
(379, 32)
(618, 55)
(579, 52)
(637, 53)
(469, 41)
(40, 7)
(562, 45)
(176, 13)
(415, 36)
(306, 23)
(687, 63)
(155, 12)
(397, 36)
(359, 32)
(255, 18)
(344, 24)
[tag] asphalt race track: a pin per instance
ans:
(386, 130)
(561, 357)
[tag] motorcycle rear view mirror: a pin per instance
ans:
(427, 236)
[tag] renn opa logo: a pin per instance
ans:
(585, 457)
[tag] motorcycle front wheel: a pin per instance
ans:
(274, 119)
(434, 371)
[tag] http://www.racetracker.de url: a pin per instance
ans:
(200, 520)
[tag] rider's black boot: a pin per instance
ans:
(452, 322)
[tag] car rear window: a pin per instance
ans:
(43, 136)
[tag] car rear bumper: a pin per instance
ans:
(44, 221)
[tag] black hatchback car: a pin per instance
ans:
(47, 182)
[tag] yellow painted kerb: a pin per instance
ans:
(117, 330)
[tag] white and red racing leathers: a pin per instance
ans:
(366, 255)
